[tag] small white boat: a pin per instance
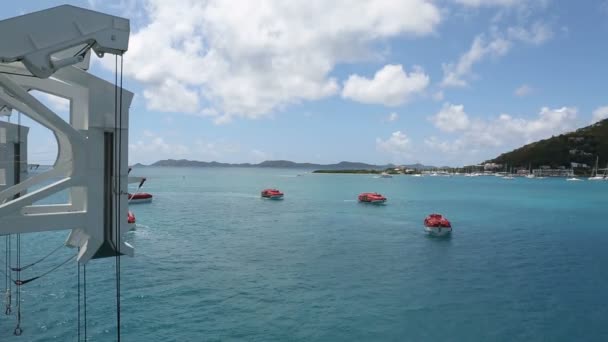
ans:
(595, 174)
(508, 177)
(385, 175)
(574, 179)
(417, 175)
(530, 176)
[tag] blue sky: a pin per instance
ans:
(436, 82)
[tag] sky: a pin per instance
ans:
(412, 81)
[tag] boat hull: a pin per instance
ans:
(275, 197)
(438, 231)
(373, 201)
(140, 200)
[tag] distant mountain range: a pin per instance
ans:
(283, 164)
(582, 146)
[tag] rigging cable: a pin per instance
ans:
(118, 191)
(20, 282)
(7, 274)
(18, 330)
(78, 265)
(37, 261)
(84, 282)
(84, 271)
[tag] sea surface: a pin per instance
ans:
(527, 261)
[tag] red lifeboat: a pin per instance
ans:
(131, 220)
(436, 224)
(272, 194)
(372, 197)
(142, 197)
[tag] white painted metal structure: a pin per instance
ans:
(13, 146)
(48, 51)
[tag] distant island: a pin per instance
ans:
(360, 171)
(286, 164)
(578, 150)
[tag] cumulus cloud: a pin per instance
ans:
(489, 3)
(451, 118)
(599, 114)
(458, 74)
(248, 59)
(171, 96)
(151, 146)
(397, 144)
(455, 74)
(508, 131)
(56, 103)
(443, 145)
(537, 34)
(523, 90)
(438, 96)
(390, 86)
(392, 117)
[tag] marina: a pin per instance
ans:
(316, 260)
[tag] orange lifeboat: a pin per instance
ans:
(372, 197)
(272, 194)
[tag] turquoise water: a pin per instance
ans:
(214, 262)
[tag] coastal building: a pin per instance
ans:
(491, 166)
(579, 165)
(553, 172)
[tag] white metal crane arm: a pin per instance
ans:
(33, 38)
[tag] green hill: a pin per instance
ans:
(581, 146)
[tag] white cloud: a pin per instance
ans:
(457, 74)
(604, 6)
(259, 156)
(438, 96)
(443, 146)
(56, 103)
(390, 86)
(537, 34)
(489, 3)
(451, 118)
(397, 144)
(600, 113)
(151, 146)
(523, 90)
(250, 58)
(507, 131)
(454, 75)
(392, 117)
(171, 96)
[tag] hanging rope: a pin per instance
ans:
(20, 282)
(78, 265)
(118, 192)
(18, 331)
(7, 276)
(37, 261)
(84, 269)
(141, 184)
